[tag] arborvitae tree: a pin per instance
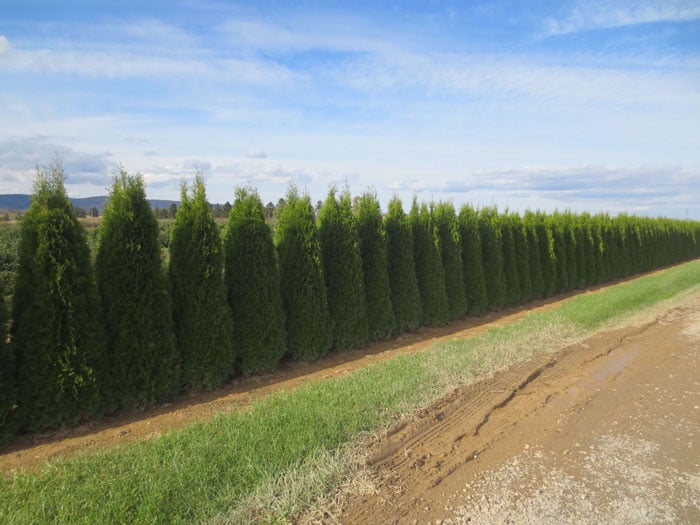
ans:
(304, 296)
(203, 321)
(253, 285)
(429, 271)
(510, 261)
(472, 261)
(535, 263)
(560, 252)
(570, 241)
(143, 361)
(522, 256)
(601, 267)
(584, 250)
(491, 245)
(370, 228)
(548, 260)
(451, 250)
(342, 270)
(57, 331)
(405, 296)
(7, 377)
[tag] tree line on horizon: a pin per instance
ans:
(86, 339)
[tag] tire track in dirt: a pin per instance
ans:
(442, 443)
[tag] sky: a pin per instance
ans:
(571, 105)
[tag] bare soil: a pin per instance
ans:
(605, 431)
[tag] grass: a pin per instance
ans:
(266, 463)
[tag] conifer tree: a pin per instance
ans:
(570, 242)
(304, 295)
(373, 250)
(7, 377)
(342, 270)
(202, 317)
(536, 278)
(472, 261)
(522, 256)
(548, 259)
(560, 252)
(405, 297)
(510, 262)
(143, 362)
(57, 331)
(429, 271)
(451, 251)
(492, 249)
(253, 286)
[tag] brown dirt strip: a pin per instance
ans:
(32, 450)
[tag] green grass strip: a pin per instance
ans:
(207, 471)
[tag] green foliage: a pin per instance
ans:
(492, 249)
(450, 243)
(253, 285)
(534, 261)
(58, 338)
(548, 260)
(202, 317)
(559, 236)
(522, 256)
(7, 377)
(472, 261)
(143, 361)
(510, 260)
(405, 296)
(429, 271)
(304, 295)
(9, 255)
(342, 270)
(373, 250)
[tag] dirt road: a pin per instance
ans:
(603, 432)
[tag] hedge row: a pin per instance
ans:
(131, 332)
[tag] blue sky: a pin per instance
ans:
(581, 105)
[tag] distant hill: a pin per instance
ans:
(20, 202)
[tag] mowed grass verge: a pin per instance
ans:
(268, 462)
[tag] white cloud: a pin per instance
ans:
(4, 45)
(257, 154)
(588, 15)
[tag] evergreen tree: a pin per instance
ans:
(560, 252)
(7, 377)
(304, 295)
(203, 322)
(429, 271)
(570, 241)
(548, 259)
(373, 250)
(472, 261)
(522, 256)
(253, 285)
(510, 262)
(342, 270)
(492, 249)
(405, 296)
(143, 361)
(451, 251)
(583, 251)
(57, 331)
(536, 278)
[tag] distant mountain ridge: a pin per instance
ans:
(21, 202)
